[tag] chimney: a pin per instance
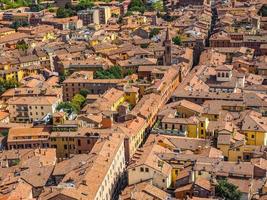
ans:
(84, 182)
(106, 122)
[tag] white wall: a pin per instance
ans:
(116, 169)
(136, 176)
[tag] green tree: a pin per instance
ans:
(157, 5)
(129, 72)
(169, 18)
(154, 32)
(51, 10)
(84, 4)
(15, 4)
(78, 98)
(227, 190)
(114, 15)
(18, 24)
(15, 162)
(62, 76)
(144, 46)
(84, 92)
(137, 5)
(129, 13)
(22, 45)
(177, 40)
(36, 8)
(63, 13)
(263, 10)
(7, 84)
(4, 133)
(78, 101)
(67, 107)
(115, 72)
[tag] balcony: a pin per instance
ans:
(22, 117)
(22, 109)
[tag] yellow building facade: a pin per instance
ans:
(256, 137)
(242, 152)
(64, 146)
(6, 31)
(16, 73)
(116, 104)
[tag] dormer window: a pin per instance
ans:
(223, 73)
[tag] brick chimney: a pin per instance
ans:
(106, 122)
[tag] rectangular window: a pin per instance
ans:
(147, 170)
(65, 146)
(141, 169)
(79, 142)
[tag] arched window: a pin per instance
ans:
(223, 74)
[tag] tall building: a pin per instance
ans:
(96, 15)
(104, 14)
(167, 52)
(89, 16)
(31, 108)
